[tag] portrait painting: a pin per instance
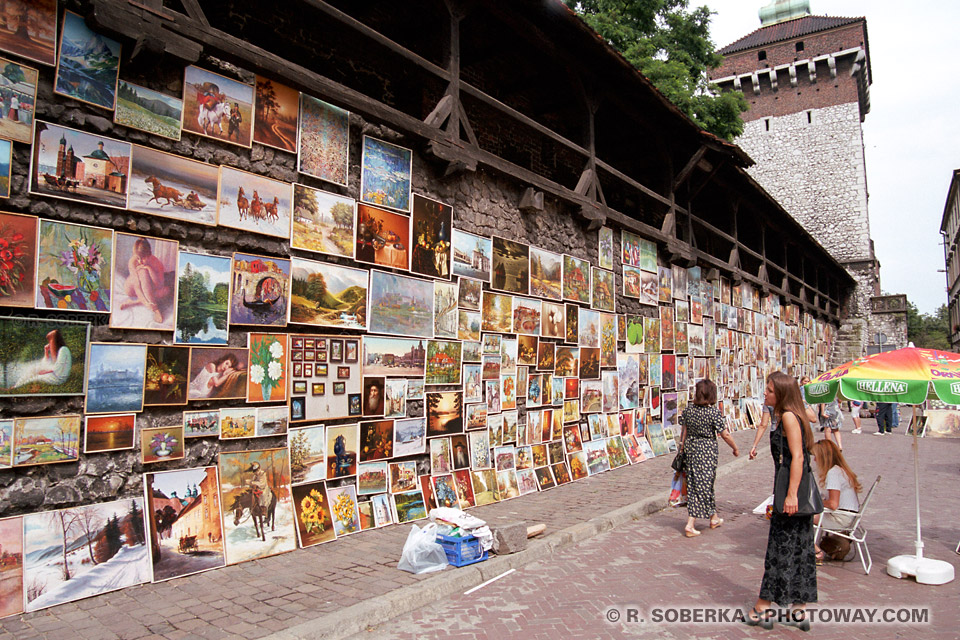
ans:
(144, 283)
(511, 266)
(115, 377)
(218, 373)
(324, 294)
(323, 222)
(382, 237)
(472, 256)
(373, 392)
(74, 264)
(276, 115)
(18, 271)
(400, 305)
(148, 110)
(42, 357)
(88, 64)
(30, 31)
(444, 411)
(168, 373)
(203, 299)
(313, 513)
(546, 274)
(323, 142)
(161, 444)
(254, 203)
(431, 222)
(576, 279)
(385, 174)
(259, 290)
(217, 107)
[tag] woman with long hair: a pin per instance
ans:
(840, 487)
(790, 569)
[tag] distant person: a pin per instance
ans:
(884, 418)
(765, 423)
(855, 406)
(14, 113)
(831, 420)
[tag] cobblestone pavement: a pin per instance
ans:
(649, 564)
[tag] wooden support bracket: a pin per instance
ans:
(531, 201)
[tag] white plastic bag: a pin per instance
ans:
(421, 552)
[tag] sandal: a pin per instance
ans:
(716, 523)
(820, 556)
(691, 533)
(762, 619)
(801, 622)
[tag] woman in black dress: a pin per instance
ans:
(702, 422)
(789, 569)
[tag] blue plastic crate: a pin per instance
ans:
(462, 551)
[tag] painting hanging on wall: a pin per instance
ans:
(605, 248)
(385, 174)
(400, 305)
(252, 485)
(576, 279)
(161, 444)
(115, 378)
(393, 356)
(18, 271)
(267, 381)
(217, 107)
(109, 433)
(203, 297)
(496, 312)
(603, 290)
(382, 237)
(276, 115)
(445, 316)
(167, 185)
(259, 290)
(74, 264)
(30, 31)
(218, 373)
(328, 295)
(254, 203)
(84, 551)
(307, 454)
(19, 84)
(443, 362)
(6, 160)
(431, 222)
(183, 513)
(314, 520)
(199, 424)
(546, 274)
(11, 577)
(323, 141)
(144, 282)
(46, 440)
(168, 374)
(343, 451)
(88, 64)
(511, 266)
(444, 413)
(323, 222)
(42, 357)
(148, 110)
(472, 255)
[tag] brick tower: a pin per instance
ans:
(807, 79)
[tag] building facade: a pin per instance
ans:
(950, 230)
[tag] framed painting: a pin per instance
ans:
(168, 372)
(11, 587)
(343, 451)
(553, 320)
(546, 274)
(608, 340)
(395, 398)
(119, 559)
(323, 141)
(328, 295)
(276, 115)
(409, 437)
(246, 476)
(308, 461)
(603, 290)
(254, 203)
(183, 513)
(203, 298)
(468, 325)
(485, 490)
(588, 328)
(444, 411)
(144, 282)
(271, 421)
(218, 373)
(74, 265)
(446, 320)
(431, 222)
(576, 279)
(526, 316)
(385, 174)
(630, 248)
(632, 282)
(409, 506)
(313, 516)
(496, 312)
(43, 357)
(393, 356)
(259, 290)
(6, 159)
(46, 440)
(167, 185)
(510, 266)
(18, 272)
(115, 377)
(444, 360)
(148, 110)
(268, 377)
(19, 83)
(605, 248)
(30, 31)
(217, 107)
(472, 256)
(573, 324)
(649, 288)
(161, 444)
(400, 305)
(468, 294)
(88, 64)
(382, 237)
(376, 441)
(199, 424)
(665, 288)
(323, 222)
(6, 444)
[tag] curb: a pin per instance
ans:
(375, 611)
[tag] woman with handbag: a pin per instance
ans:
(702, 422)
(790, 569)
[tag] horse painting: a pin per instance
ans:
(162, 192)
(243, 205)
(212, 109)
(260, 515)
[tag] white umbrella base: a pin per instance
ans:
(926, 570)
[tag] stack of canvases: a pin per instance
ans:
(512, 349)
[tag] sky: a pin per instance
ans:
(910, 134)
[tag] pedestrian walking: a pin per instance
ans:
(855, 406)
(702, 423)
(884, 418)
(831, 420)
(790, 569)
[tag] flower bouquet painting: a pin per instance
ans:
(18, 254)
(74, 266)
(161, 444)
(314, 523)
(268, 368)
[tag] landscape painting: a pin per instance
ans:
(384, 356)
(443, 362)
(472, 255)
(511, 266)
(254, 203)
(88, 64)
(84, 551)
(546, 274)
(431, 223)
(314, 522)
(6, 160)
(218, 373)
(383, 237)
(328, 295)
(167, 185)
(6, 444)
(74, 264)
(148, 110)
(409, 506)
(203, 298)
(385, 174)
(275, 119)
(323, 141)
(46, 440)
(497, 312)
(259, 290)
(30, 31)
(603, 290)
(400, 305)
(323, 222)
(18, 272)
(444, 413)
(11, 569)
(183, 512)
(42, 357)
(307, 454)
(115, 377)
(217, 107)
(255, 485)
(109, 433)
(409, 437)
(144, 282)
(576, 279)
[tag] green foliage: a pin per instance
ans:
(13, 73)
(928, 331)
(669, 44)
(342, 215)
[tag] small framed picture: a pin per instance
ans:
(307, 369)
(354, 406)
(297, 343)
(309, 355)
(298, 408)
(297, 355)
(336, 351)
(297, 369)
(343, 373)
(309, 343)
(321, 344)
(352, 351)
(318, 388)
(320, 370)
(299, 386)
(340, 388)
(321, 356)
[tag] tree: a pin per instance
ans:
(669, 44)
(299, 450)
(928, 331)
(136, 524)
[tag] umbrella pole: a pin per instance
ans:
(916, 478)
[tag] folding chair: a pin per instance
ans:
(855, 532)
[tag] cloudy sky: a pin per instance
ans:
(911, 132)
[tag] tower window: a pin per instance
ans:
(799, 46)
(809, 117)
(766, 122)
(761, 55)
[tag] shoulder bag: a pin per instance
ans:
(808, 495)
